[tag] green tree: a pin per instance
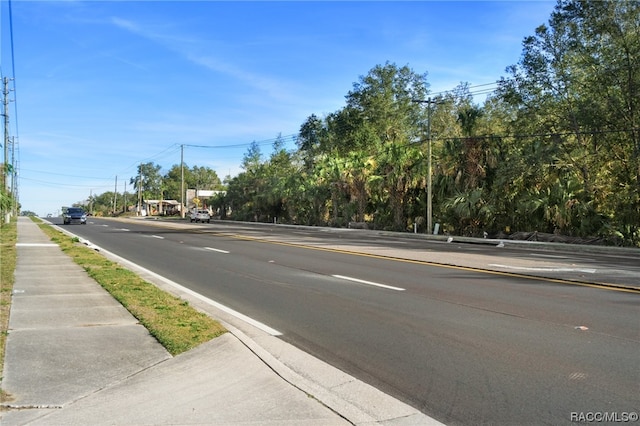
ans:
(246, 192)
(358, 173)
(312, 139)
(331, 176)
(279, 172)
(577, 82)
(196, 177)
(172, 182)
(148, 181)
(252, 159)
(394, 178)
(384, 120)
(556, 149)
(202, 178)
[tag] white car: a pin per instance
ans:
(200, 216)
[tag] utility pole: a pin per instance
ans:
(5, 163)
(115, 194)
(429, 103)
(140, 191)
(5, 113)
(160, 208)
(14, 178)
(182, 181)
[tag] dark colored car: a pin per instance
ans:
(74, 215)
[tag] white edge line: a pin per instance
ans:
(368, 282)
(216, 250)
(524, 268)
(205, 299)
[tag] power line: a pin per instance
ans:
(482, 90)
(287, 138)
(13, 69)
(165, 152)
(11, 171)
(543, 135)
(70, 185)
(66, 175)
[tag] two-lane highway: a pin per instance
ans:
(463, 346)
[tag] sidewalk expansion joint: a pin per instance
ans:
(30, 407)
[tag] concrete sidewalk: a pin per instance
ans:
(74, 355)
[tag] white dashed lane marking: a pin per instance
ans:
(357, 280)
(216, 250)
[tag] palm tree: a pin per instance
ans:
(359, 168)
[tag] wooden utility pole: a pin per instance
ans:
(429, 102)
(115, 195)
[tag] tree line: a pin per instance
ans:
(150, 184)
(554, 149)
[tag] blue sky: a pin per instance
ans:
(102, 86)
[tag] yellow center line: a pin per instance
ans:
(603, 286)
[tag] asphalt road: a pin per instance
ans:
(463, 346)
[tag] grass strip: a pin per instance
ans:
(172, 321)
(8, 238)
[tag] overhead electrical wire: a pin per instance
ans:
(171, 149)
(15, 151)
(66, 175)
(65, 185)
(482, 90)
(285, 139)
(13, 69)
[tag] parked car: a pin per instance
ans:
(200, 216)
(74, 215)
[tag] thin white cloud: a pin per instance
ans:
(164, 34)
(188, 48)
(274, 88)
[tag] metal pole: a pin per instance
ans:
(14, 184)
(429, 193)
(5, 162)
(182, 181)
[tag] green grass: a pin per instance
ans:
(8, 237)
(172, 321)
